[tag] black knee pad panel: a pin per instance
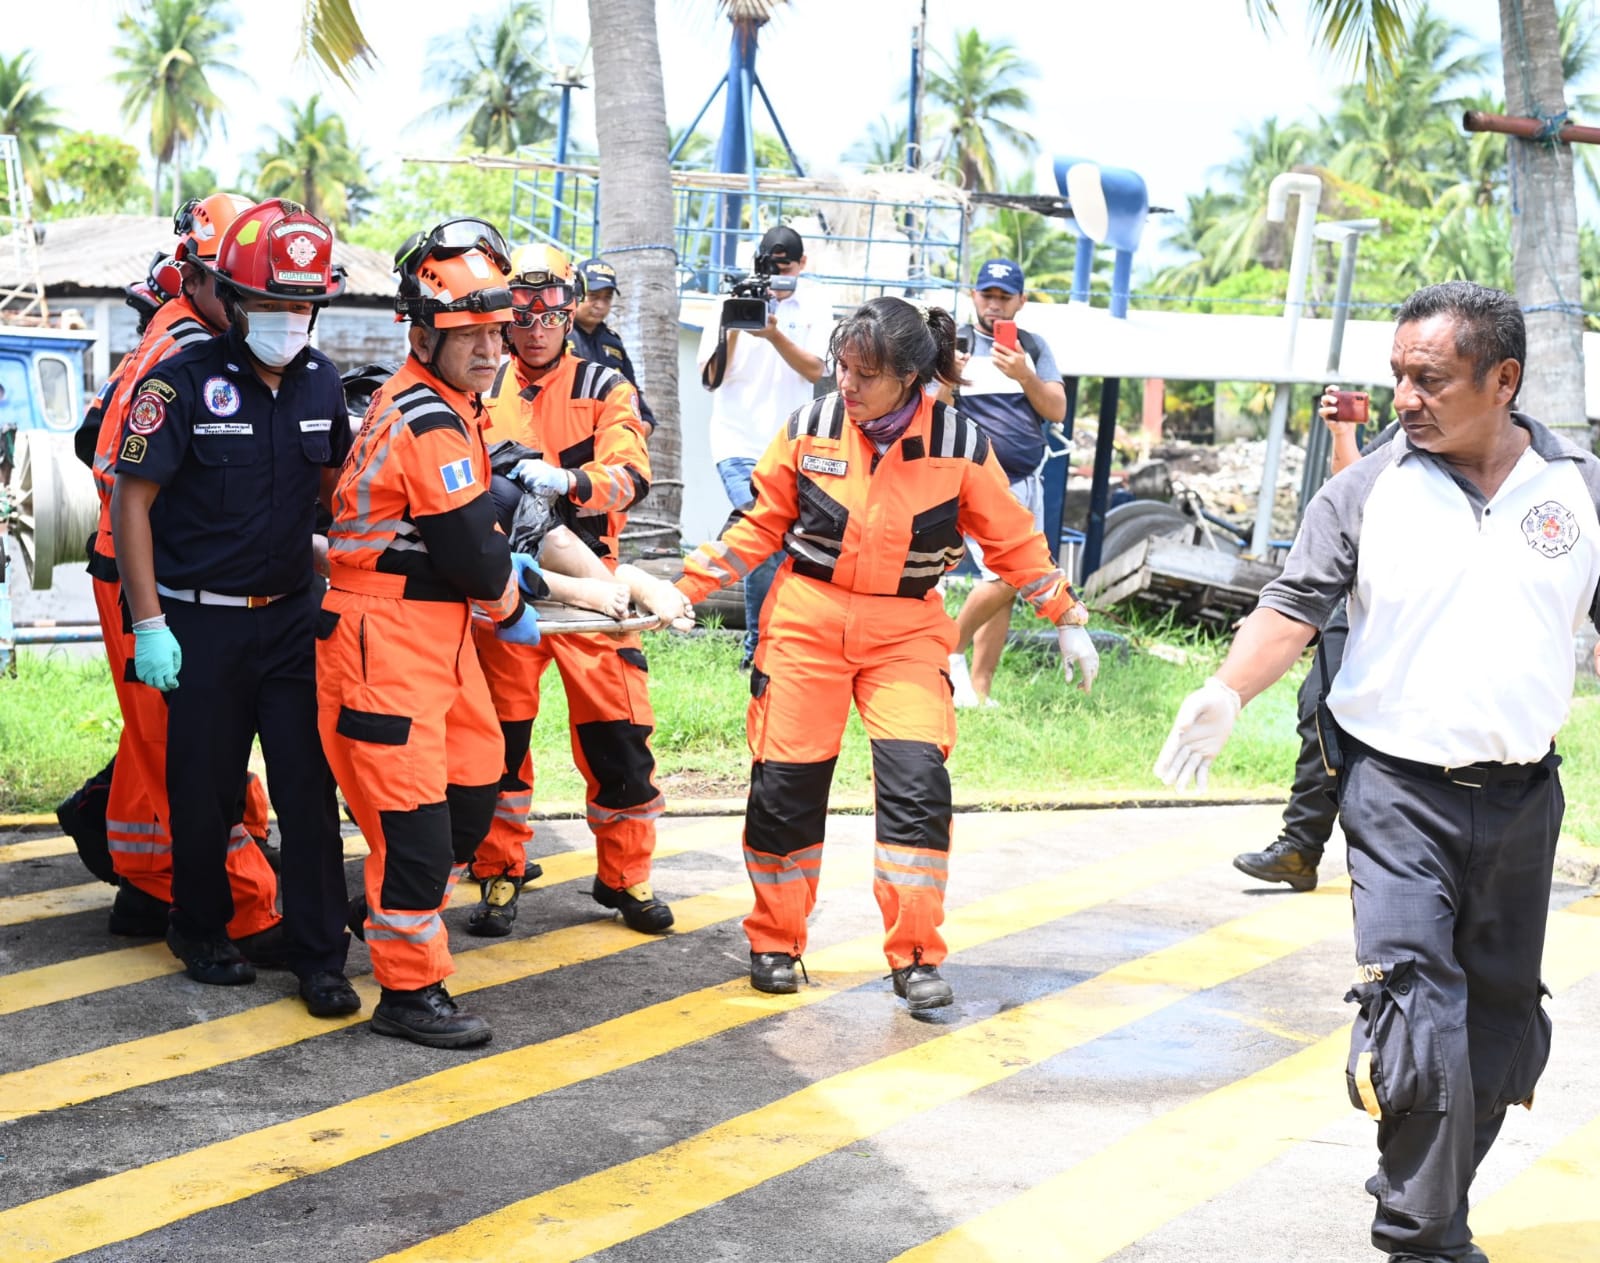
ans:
(618, 753)
(788, 807)
(913, 793)
(471, 814)
(417, 857)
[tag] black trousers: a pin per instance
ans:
(1314, 797)
(247, 673)
(1451, 887)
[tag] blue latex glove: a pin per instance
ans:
(541, 476)
(156, 657)
(529, 577)
(525, 631)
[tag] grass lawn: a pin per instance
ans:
(59, 723)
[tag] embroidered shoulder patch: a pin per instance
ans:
(822, 465)
(147, 414)
(133, 449)
(1550, 528)
(155, 386)
(458, 475)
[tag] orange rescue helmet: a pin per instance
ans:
(542, 279)
(201, 222)
(454, 276)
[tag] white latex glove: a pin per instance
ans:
(1076, 647)
(1198, 734)
(541, 477)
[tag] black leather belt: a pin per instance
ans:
(1470, 775)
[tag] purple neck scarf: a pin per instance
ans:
(887, 428)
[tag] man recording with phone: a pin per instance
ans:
(760, 372)
(1013, 391)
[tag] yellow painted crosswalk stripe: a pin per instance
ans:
(141, 1200)
(36, 849)
(85, 975)
(206, 1045)
(605, 1209)
(1207, 1146)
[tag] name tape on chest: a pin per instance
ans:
(1550, 528)
(458, 475)
(319, 425)
(221, 397)
(824, 465)
(224, 427)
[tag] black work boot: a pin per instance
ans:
(428, 1016)
(136, 914)
(215, 961)
(637, 903)
(1284, 861)
(329, 994)
(921, 987)
(497, 910)
(265, 949)
(773, 972)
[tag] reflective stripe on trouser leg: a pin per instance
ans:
(608, 707)
(784, 824)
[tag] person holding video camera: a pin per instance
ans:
(760, 375)
(1013, 392)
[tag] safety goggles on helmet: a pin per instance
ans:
(451, 238)
(529, 300)
(454, 289)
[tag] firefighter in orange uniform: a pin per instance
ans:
(868, 491)
(583, 419)
(415, 559)
(137, 828)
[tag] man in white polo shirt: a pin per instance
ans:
(1469, 547)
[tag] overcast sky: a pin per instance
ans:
(1160, 86)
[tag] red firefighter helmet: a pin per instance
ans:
(275, 249)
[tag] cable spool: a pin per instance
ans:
(54, 508)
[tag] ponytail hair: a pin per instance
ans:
(896, 336)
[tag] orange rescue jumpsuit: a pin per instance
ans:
(854, 614)
(136, 805)
(402, 705)
(581, 416)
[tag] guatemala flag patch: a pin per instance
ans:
(457, 474)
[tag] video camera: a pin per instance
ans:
(754, 296)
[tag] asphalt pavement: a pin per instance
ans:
(1144, 1062)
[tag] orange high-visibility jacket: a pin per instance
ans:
(412, 505)
(175, 327)
(885, 525)
(581, 416)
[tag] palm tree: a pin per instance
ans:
(492, 71)
(312, 163)
(1402, 136)
(973, 91)
(169, 50)
(1240, 233)
(883, 147)
(332, 37)
(631, 126)
(27, 114)
(1544, 231)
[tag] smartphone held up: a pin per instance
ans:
(1005, 334)
(1350, 405)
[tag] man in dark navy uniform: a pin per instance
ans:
(227, 448)
(591, 338)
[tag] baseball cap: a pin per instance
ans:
(783, 244)
(597, 274)
(1003, 274)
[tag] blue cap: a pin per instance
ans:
(1003, 274)
(596, 274)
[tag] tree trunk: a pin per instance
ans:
(636, 223)
(1544, 223)
(155, 188)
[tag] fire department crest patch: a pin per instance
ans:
(221, 396)
(147, 414)
(302, 250)
(1550, 528)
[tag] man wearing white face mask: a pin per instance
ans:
(226, 450)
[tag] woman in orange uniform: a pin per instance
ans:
(868, 492)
